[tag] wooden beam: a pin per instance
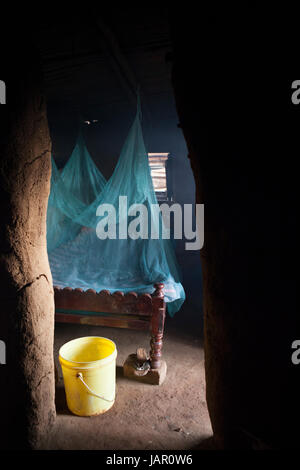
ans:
(131, 303)
(116, 321)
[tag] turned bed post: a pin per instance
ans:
(157, 326)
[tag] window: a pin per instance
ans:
(158, 167)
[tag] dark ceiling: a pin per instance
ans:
(93, 62)
(96, 58)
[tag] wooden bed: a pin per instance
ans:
(130, 310)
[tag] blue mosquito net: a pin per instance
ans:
(78, 257)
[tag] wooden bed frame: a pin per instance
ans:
(131, 310)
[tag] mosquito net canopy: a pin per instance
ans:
(109, 234)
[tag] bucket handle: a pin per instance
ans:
(79, 376)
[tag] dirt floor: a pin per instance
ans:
(171, 416)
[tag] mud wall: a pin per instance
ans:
(27, 308)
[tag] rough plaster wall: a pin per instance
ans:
(27, 307)
(229, 123)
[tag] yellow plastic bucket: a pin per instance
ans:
(89, 371)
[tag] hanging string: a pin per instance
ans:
(146, 118)
(139, 107)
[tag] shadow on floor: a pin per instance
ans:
(119, 373)
(187, 323)
(60, 401)
(206, 444)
